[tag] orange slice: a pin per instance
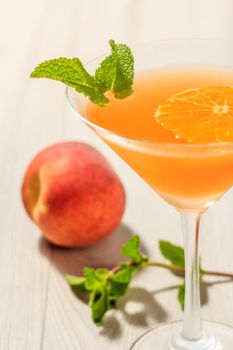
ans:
(199, 115)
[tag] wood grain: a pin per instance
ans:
(37, 309)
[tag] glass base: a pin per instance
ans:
(168, 336)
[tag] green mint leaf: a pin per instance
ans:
(124, 275)
(77, 283)
(105, 74)
(106, 289)
(96, 283)
(98, 304)
(95, 277)
(173, 253)
(91, 281)
(131, 250)
(181, 292)
(116, 72)
(181, 295)
(119, 282)
(102, 274)
(71, 72)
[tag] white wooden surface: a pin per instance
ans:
(37, 309)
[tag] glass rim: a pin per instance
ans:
(145, 142)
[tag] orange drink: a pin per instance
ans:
(195, 177)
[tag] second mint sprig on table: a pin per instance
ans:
(105, 286)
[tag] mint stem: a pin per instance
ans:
(177, 269)
(173, 268)
(216, 273)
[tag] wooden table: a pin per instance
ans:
(37, 309)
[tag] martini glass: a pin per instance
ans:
(190, 177)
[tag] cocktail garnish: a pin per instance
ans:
(199, 115)
(115, 74)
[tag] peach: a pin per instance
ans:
(71, 192)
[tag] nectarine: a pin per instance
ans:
(71, 192)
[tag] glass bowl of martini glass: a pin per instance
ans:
(190, 176)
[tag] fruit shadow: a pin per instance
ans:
(148, 310)
(139, 308)
(205, 286)
(105, 253)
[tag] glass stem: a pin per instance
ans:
(192, 327)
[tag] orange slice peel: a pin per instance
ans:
(199, 115)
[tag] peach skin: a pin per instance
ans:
(71, 192)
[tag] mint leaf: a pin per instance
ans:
(124, 275)
(95, 277)
(91, 280)
(173, 253)
(102, 274)
(131, 250)
(98, 304)
(181, 295)
(116, 72)
(77, 283)
(119, 282)
(96, 281)
(71, 72)
(106, 73)
(106, 288)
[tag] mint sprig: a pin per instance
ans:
(105, 286)
(115, 74)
